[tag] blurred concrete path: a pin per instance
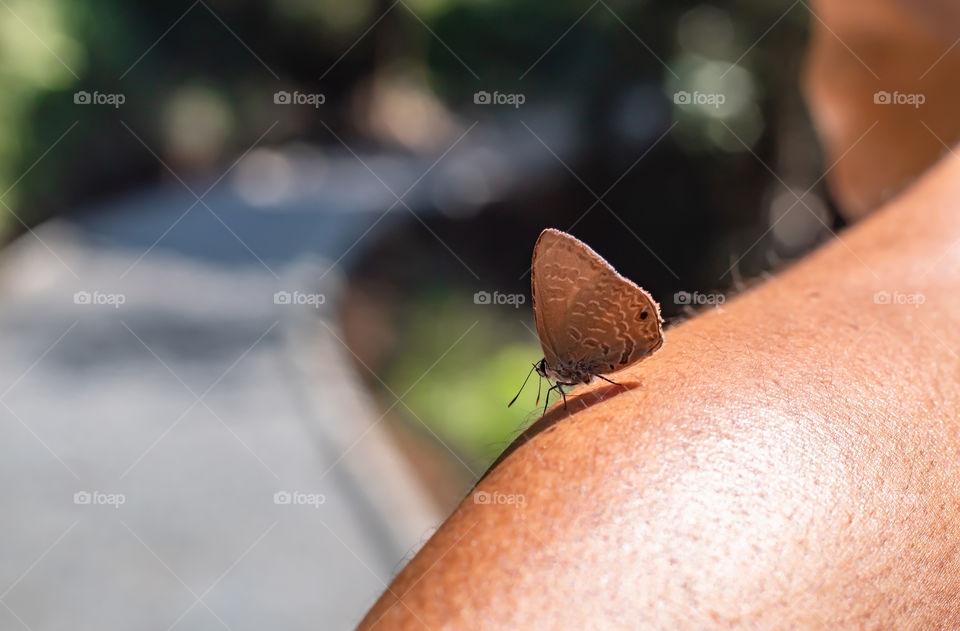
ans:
(184, 443)
(177, 447)
(177, 444)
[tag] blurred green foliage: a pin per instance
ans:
(459, 372)
(217, 63)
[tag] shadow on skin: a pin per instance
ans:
(558, 412)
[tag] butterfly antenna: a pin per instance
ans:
(523, 386)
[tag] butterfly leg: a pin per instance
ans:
(547, 401)
(609, 380)
(559, 388)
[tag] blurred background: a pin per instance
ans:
(265, 277)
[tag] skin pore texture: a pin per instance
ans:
(790, 460)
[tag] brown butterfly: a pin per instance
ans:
(590, 319)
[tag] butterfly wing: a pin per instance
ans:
(586, 311)
(552, 287)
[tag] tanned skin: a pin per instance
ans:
(790, 460)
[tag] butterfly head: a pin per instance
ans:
(541, 368)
